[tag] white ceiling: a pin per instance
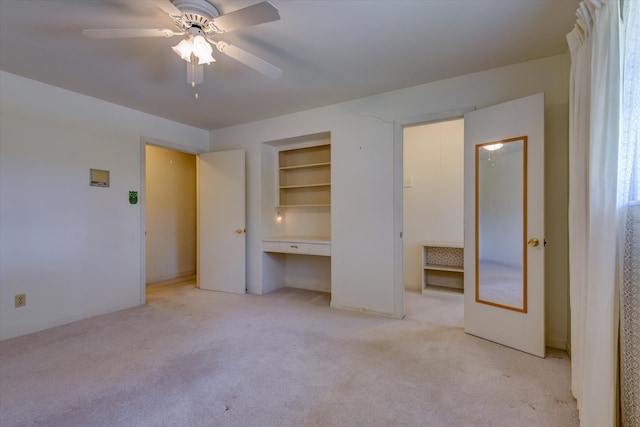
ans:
(330, 50)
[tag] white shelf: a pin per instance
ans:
(304, 176)
(306, 166)
(324, 184)
(437, 244)
(299, 239)
(310, 205)
(442, 265)
(315, 246)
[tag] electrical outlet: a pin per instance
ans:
(21, 300)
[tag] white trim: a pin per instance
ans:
(398, 209)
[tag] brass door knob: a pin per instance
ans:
(533, 242)
(239, 230)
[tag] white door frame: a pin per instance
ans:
(398, 193)
(142, 200)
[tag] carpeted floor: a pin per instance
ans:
(200, 358)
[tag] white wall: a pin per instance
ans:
(362, 138)
(433, 165)
(73, 249)
(171, 214)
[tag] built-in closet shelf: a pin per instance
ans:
(285, 187)
(304, 176)
(317, 205)
(442, 265)
(307, 166)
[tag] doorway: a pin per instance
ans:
(170, 217)
(492, 126)
(433, 199)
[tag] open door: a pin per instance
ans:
(504, 224)
(221, 221)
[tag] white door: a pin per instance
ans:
(221, 221)
(504, 224)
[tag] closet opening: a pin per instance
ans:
(433, 206)
(169, 209)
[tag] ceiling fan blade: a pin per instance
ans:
(117, 33)
(259, 13)
(167, 7)
(250, 60)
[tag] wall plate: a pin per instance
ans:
(98, 178)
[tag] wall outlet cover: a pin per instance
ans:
(21, 300)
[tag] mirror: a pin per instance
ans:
(501, 223)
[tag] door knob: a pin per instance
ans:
(533, 242)
(239, 230)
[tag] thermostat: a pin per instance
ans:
(98, 178)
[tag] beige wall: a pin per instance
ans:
(171, 214)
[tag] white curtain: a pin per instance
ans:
(593, 151)
(629, 204)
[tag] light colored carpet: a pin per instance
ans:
(200, 358)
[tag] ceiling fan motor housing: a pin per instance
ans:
(196, 13)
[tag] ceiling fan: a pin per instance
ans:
(198, 21)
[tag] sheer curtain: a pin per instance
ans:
(629, 205)
(604, 211)
(593, 151)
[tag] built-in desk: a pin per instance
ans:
(298, 245)
(297, 262)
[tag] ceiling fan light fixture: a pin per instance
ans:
(184, 49)
(198, 21)
(206, 59)
(195, 74)
(493, 147)
(202, 50)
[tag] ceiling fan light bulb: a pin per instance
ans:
(493, 147)
(202, 50)
(184, 49)
(206, 59)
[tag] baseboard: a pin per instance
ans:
(559, 344)
(172, 277)
(363, 310)
(310, 287)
